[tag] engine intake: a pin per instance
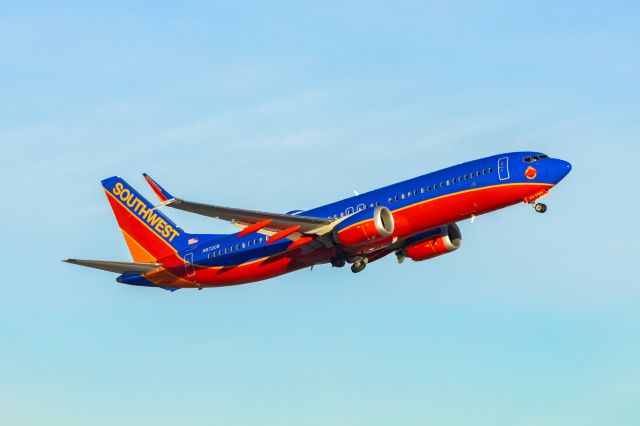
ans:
(447, 240)
(364, 227)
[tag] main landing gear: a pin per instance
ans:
(540, 207)
(338, 262)
(359, 263)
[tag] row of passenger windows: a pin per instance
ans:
(237, 247)
(429, 188)
(360, 207)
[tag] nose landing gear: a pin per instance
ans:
(534, 198)
(540, 207)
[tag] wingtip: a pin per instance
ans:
(160, 192)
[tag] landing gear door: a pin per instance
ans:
(188, 265)
(503, 168)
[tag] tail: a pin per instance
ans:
(149, 234)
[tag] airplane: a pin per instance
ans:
(414, 219)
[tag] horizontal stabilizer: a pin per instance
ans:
(117, 267)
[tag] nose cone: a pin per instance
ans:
(560, 169)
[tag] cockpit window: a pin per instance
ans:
(534, 158)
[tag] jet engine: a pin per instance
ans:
(447, 240)
(364, 227)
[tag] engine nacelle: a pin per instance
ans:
(364, 227)
(447, 240)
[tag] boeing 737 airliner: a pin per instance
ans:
(414, 219)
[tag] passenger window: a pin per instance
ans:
(396, 198)
(448, 182)
(244, 245)
(422, 190)
(402, 196)
(371, 205)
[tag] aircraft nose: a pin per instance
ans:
(562, 168)
(566, 166)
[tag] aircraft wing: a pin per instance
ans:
(277, 221)
(277, 225)
(118, 267)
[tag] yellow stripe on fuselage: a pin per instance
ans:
(451, 195)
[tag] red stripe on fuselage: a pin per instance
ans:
(409, 220)
(459, 206)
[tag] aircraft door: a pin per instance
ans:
(503, 168)
(188, 265)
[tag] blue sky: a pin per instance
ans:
(291, 105)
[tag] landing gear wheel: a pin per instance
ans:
(359, 265)
(540, 208)
(338, 263)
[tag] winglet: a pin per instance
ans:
(162, 194)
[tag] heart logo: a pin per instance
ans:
(531, 173)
